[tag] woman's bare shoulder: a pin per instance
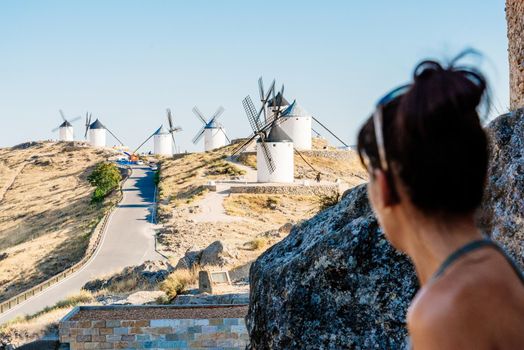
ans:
(471, 302)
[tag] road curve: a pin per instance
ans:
(128, 240)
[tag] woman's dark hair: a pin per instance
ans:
(434, 140)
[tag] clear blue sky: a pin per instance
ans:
(127, 61)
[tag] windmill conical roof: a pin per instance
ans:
(65, 124)
(277, 135)
(96, 125)
(296, 110)
(273, 102)
(161, 131)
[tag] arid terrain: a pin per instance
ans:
(45, 213)
(247, 223)
(190, 218)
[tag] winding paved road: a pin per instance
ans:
(128, 240)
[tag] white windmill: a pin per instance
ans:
(213, 132)
(163, 139)
(96, 132)
(65, 130)
(296, 123)
(275, 161)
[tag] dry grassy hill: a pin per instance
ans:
(45, 214)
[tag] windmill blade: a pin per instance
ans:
(116, 138)
(199, 114)
(174, 142)
(263, 109)
(136, 150)
(249, 107)
(62, 115)
(261, 89)
(316, 132)
(199, 135)
(88, 122)
(267, 157)
(332, 133)
(74, 119)
(242, 147)
(169, 119)
(55, 129)
(280, 97)
(217, 114)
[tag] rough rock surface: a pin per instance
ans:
(514, 15)
(216, 254)
(148, 273)
(333, 283)
(502, 214)
(336, 283)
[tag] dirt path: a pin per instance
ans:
(212, 205)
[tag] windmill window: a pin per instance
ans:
(274, 145)
(296, 118)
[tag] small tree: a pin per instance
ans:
(105, 177)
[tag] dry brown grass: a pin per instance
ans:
(30, 328)
(258, 243)
(273, 209)
(248, 159)
(347, 169)
(178, 281)
(45, 214)
(182, 180)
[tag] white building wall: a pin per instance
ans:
(282, 154)
(214, 138)
(65, 133)
(163, 145)
(298, 128)
(97, 137)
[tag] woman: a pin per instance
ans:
(426, 153)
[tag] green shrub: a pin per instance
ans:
(105, 177)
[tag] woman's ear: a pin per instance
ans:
(384, 194)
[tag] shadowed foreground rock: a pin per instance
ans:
(336, 283)
(333, 283)
(502, 214)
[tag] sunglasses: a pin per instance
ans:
(378, 126)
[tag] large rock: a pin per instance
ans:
(336, 283)
(514, 15)
(333, 283)
(502, 214)
(216, 254)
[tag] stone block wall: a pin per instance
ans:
(223, 333)
(309, 190)
(515, 19)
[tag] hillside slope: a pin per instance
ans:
(45, 213)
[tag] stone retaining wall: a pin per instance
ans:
(223, 333)
(297, 190)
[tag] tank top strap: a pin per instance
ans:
(471, 246)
